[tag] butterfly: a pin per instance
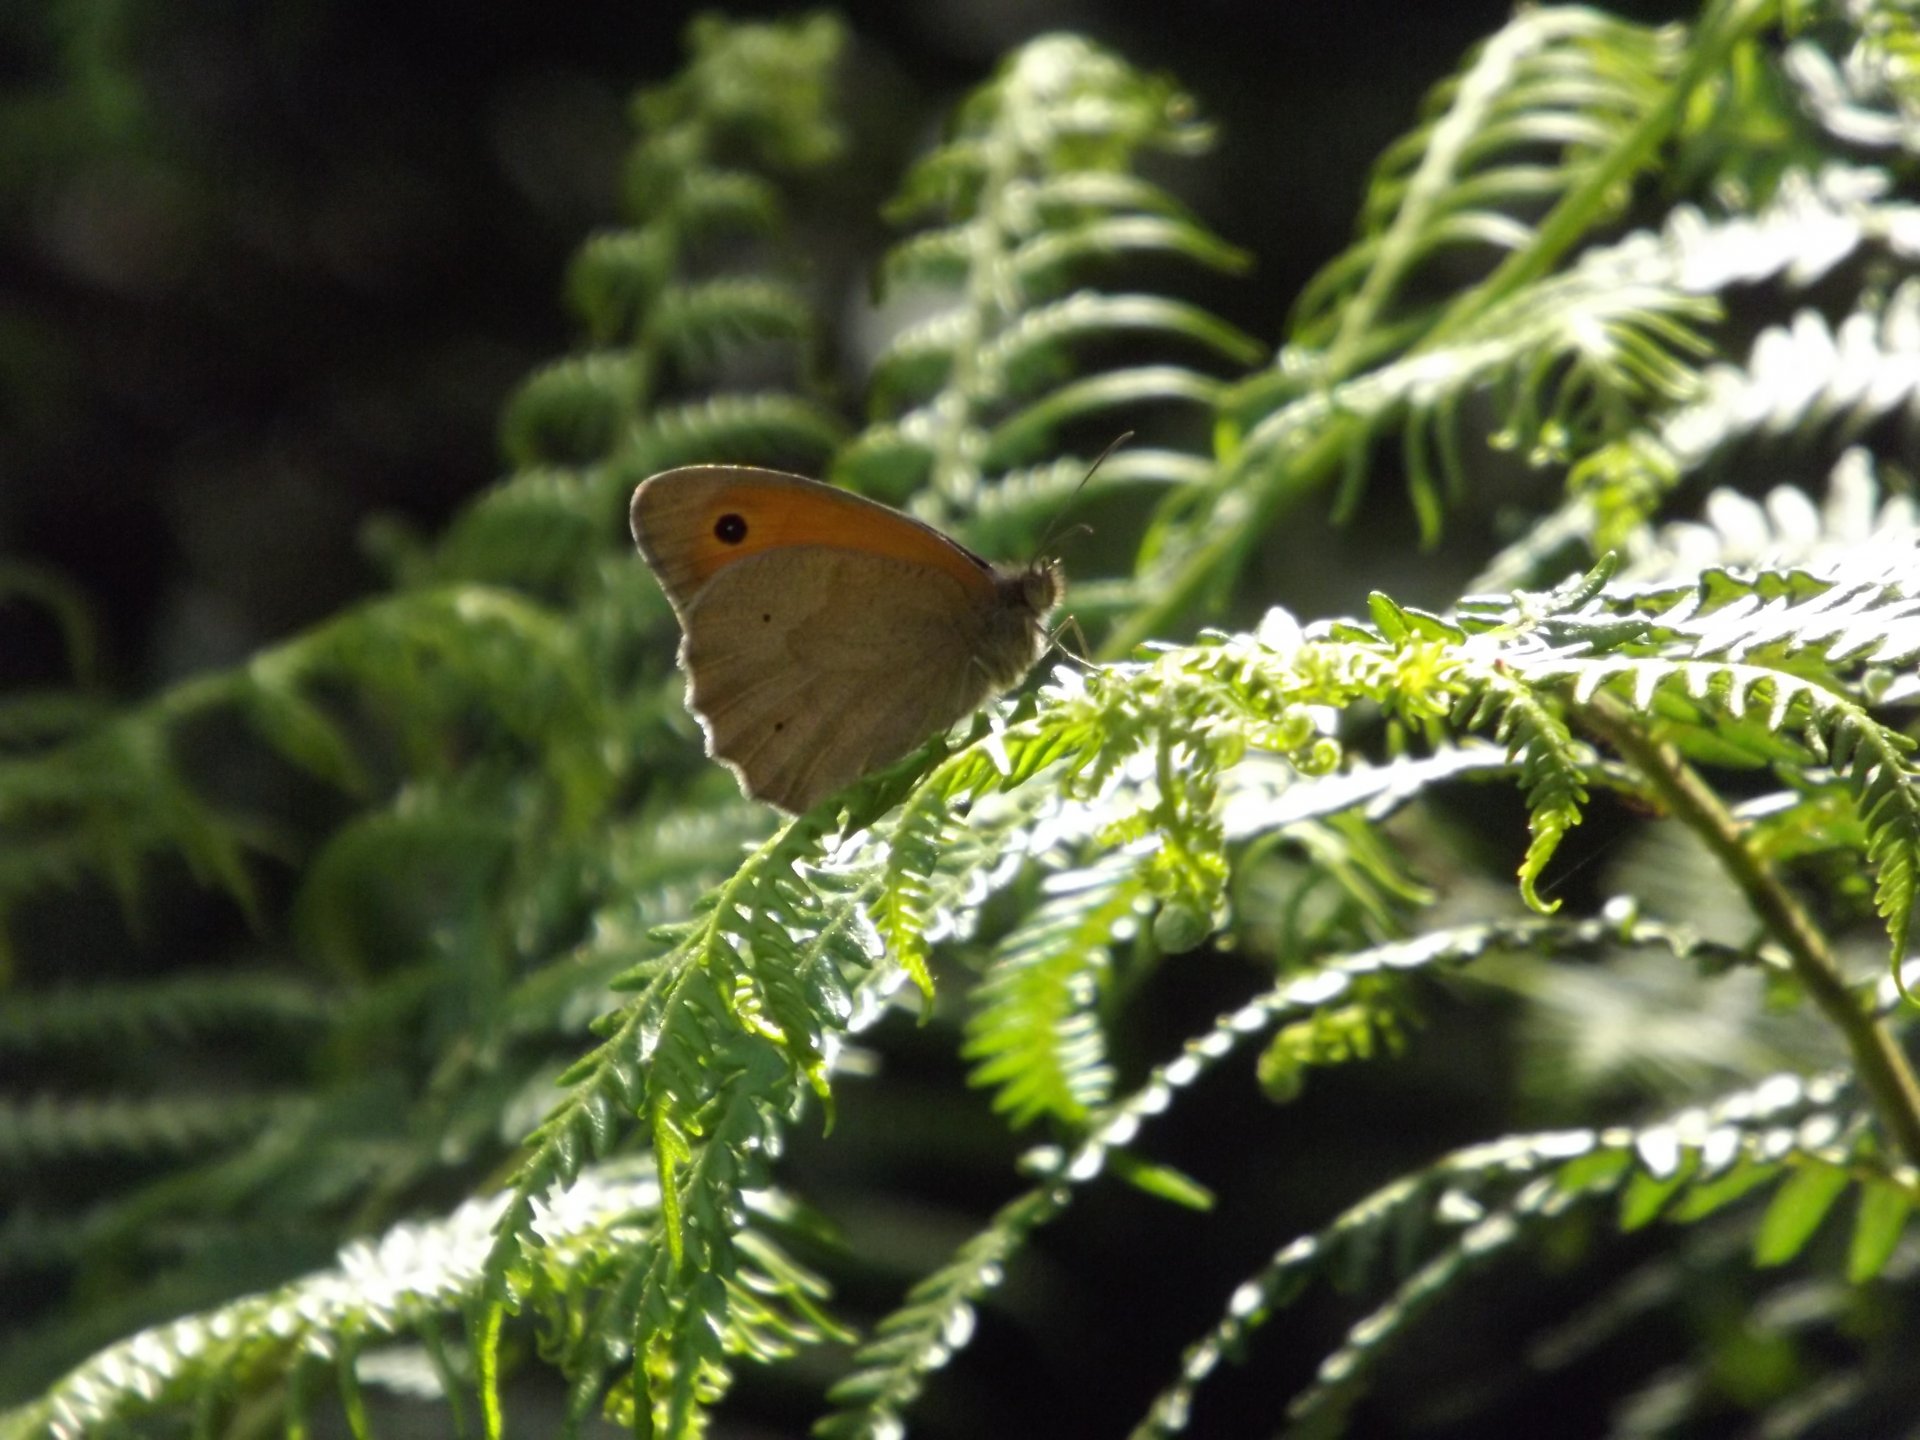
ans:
(825, 635)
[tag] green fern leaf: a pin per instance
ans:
(1035, 1034)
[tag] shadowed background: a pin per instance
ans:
(267, 270)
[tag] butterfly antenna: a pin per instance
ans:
(1053, 529)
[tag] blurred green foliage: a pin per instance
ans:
(539, 1089)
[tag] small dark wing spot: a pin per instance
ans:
(778, 726)
(766, 619)
(730, 528)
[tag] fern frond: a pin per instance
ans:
(1486, 1199)
(1572, 353)
(1808, 379)
(1869, 99)
(751, 103)
(741, 428)
(649, 308)
(618, 275)
(1027, 498)
(765, 86)
(452, 665)
(390, 1288)
(573, 411)
(1553, 766)
(1571, 84)
(108, 797)
(1809, 226)
(1149, 718)
(1564, 358)
(937, 1317)
(61, 599)
(1580, 362)
(1807, 376)
(698, 324)
(1855, 528)
(1801, 646)
(516, 663)
(56, 1129)
(711, 1056)
(905, 913)
(918, 841)
(1035, 1032)
(1030, 353)
(1031, 193)
(178, 1007)
(540, 531)
(1793, 645)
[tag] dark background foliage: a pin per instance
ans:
(268, 271)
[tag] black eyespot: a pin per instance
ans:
(778, 726)
(730, 529)
(766, 619)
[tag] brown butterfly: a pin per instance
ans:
(825, 635)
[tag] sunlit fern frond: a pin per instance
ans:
(712, 1057)
(1805, 378)
(1566, 384)
(920, 1337)
(1801, 1136)
(730, 1026)
(1599, 362)
(1811, 382)
(1769, 668)
(1032, 197)
(1035, 1032)
(1554, 764)
(1856, 528)
(386, 1300)
(1523, 156)
(1779, 669)
(1556, 100)
(1869, 96)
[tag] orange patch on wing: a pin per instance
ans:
(778, 518)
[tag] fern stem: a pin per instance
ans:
(1878, 1059)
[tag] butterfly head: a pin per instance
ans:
(1039, 588)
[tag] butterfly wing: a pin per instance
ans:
(695, 522)
(824, 634)
(809, 667)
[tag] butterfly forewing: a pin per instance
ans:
(824, 634)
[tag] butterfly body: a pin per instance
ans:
(823, 634)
